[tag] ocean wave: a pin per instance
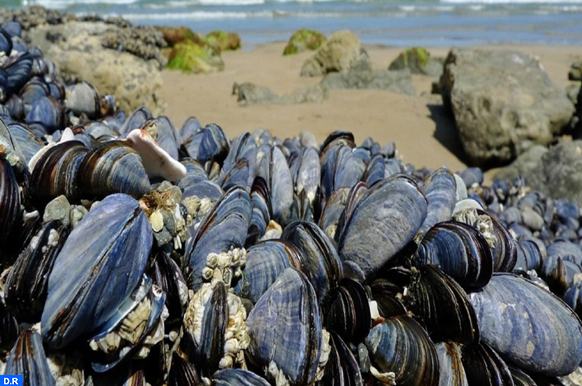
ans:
(197, 15)
(519, 2)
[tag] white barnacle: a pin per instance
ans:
(277, 374)
(385, 378)
(224, 266)
(324, 354)
(482, 223)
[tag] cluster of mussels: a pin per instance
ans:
(133, 252)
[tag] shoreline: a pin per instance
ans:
(423, 131)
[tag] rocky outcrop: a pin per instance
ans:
(225, 41)
(575, 72)
(558, 172)
(418, 61)
(303, 40)
(340, 53)
(503, 103)
(396, 81)
(77, 49)
(252, 94)
(524, 165)
(194, 58)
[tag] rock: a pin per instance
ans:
(34, 16)
(523, 165)
(251, 94)
(225, 41)
(575, 72)
(193, 58)
(396, 81)
(503, 103)
(79, 55)
(558, 173)
(418, 61)
(340, 53)
(144, 42)
(302, 40)
(175, 35)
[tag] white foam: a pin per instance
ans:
(512, 1)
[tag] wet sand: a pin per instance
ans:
(423, 131)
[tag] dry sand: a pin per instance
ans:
(424, 134)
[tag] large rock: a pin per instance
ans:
(340, 53)
(558, 172)
(396, 81)
(524, 165)
(78, 52)
(225, 41)
(418, 61)
(503, 103)
(194, 58)
(303, 40)
(575, 72)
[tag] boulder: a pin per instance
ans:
(575, 72)
(303, 40)
(194, 58)
(77, 49)
(396, 81)
(524, 165)
(418, 61)
(340, 53)
(503, 103)
(252, 94)
(175, 35)
(225, 41)
(558, 172)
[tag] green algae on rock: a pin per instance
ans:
(224, 41)
(418, 60)
(302, 40)
(194, 58)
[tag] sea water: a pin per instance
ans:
(388, 22)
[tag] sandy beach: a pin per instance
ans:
(423, 132)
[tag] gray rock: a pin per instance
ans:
(558, 172)
(503, 103)
(396, 81)
(340, 53)
(58, 209)
(252, 94)
(418, 61)
(77, 50)
(575, 72)
(523, 165)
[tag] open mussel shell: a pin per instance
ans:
(239, 167)
(342, 368)
(308, 174)
(400, 345)
(443, 306)
(27, 358)
(384, 221)
(440, 190)
(349, 311)
(223, 228)
(560, 272)
(452, 372)
(9, 202)
(126, 332)
(237, 377)
(287, 343)
(113, 167)
(26, 285)
(484, 367)
(573, 298)
(459, 250)
(167, 275)
(55, 172)
(100, 265)
(266, 260)
(531, 255)
(528, 325)
(318, 257)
